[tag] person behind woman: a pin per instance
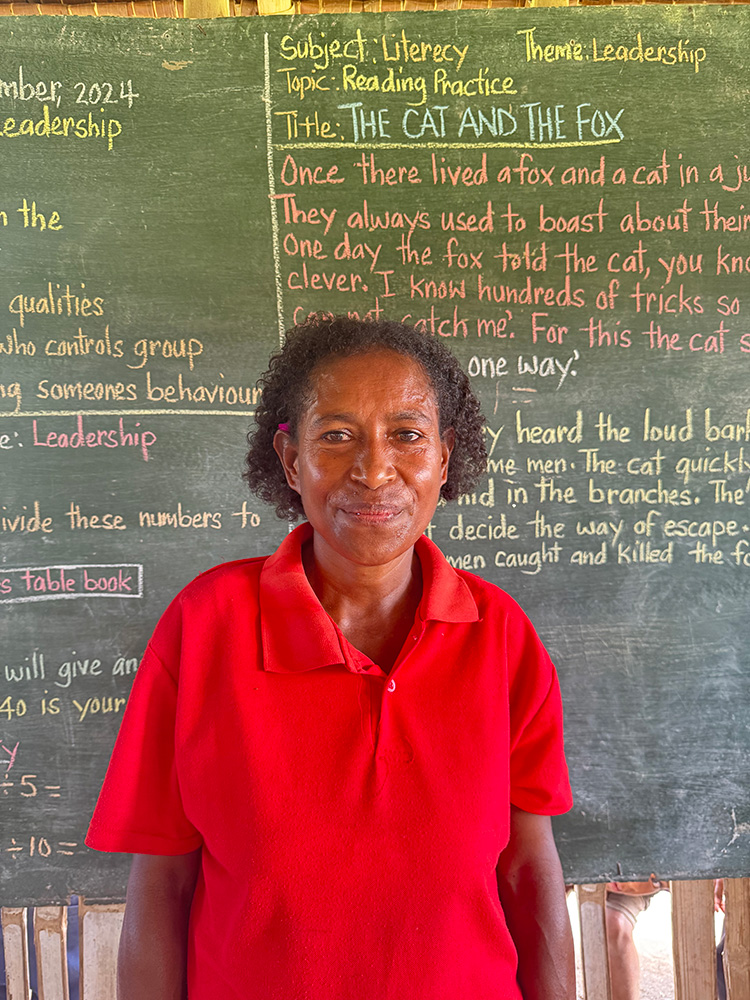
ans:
(338, 763)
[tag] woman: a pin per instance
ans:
(337, 765)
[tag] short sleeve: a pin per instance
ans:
(140, 809)
(538, 770)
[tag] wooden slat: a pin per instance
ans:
(275, 6)
(737, 943)
(206, 8)
(19, 9)
(693, 943)
(99, 937)
(168, 8)
(16, 947)
(50, 938)
(594, 956)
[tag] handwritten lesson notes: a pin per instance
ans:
(526, 202)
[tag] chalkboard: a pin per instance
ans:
(562, 196)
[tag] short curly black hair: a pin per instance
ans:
(286, 391)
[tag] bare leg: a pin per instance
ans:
(624, 966)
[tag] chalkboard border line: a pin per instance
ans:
(131, 413)
(67, 597)
(444, 145)
(272, 190)
(53, 596)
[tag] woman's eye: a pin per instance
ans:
(409, 435)
(335, 436)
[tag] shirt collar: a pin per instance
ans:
(445, 595)
(299, 636)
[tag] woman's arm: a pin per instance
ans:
(532, 893)
(152, 961)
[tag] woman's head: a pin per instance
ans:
(288, 386)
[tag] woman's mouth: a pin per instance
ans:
(372, 513)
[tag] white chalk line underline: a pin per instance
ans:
(444, 145)
(275, 238)
(131, 413)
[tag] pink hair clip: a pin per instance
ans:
(284, 427)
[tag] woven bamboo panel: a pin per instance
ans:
(248, 8)
(134, 8)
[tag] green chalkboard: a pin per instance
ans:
(563, 196)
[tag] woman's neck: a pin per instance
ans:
(374, 606)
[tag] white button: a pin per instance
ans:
(391, 685)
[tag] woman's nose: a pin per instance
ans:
(373, 465)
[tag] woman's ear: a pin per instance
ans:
(447, 442)
(288, 453)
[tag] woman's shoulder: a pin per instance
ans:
(226, 575)
(498, 610)
(209, 611)
(490, 598)
(216, 592)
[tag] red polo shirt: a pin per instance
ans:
(350, 821)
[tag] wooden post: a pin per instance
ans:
(206, 8)
(99, 936)
(737, 942)
(594, 955)
(51, 940)
(693, 941)
(16, 947)
(275, 6)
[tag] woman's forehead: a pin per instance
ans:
(381, 377)
(382, 359)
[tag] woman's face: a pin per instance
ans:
(369, 459)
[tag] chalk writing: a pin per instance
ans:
(46, 847)
(54, 583)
